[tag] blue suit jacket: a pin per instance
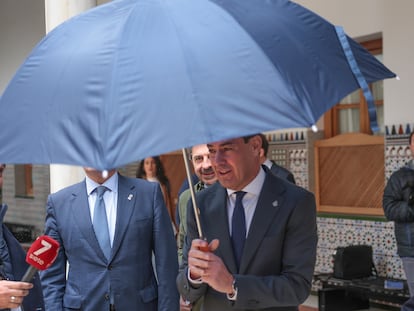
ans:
(143, 227)
(279, 256)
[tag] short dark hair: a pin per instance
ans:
(247, 138)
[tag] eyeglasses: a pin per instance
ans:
(199, 158)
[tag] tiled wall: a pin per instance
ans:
(334, 232)
(294, 151)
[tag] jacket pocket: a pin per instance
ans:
(72, 301)
(148, 293)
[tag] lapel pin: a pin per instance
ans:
(275, 203)
(130, 196)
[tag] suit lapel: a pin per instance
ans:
(81, 212)
(126, 201)
(269, 203)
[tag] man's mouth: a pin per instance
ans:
(223, 171)
(209, 174)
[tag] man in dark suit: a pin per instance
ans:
(119, 276)
(274, 168)
(262, 234)
(14, 294)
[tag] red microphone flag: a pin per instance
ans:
(40, 255)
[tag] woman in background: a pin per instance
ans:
(152, 169)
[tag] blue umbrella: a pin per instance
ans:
(135, 78)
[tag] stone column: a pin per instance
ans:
(56, 12)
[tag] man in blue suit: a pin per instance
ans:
(261, 231)
(123, 278)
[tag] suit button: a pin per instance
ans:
(106, 297)
(110, 267)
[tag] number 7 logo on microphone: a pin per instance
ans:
(45, 248)
(40, 256)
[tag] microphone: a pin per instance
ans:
(40, 256)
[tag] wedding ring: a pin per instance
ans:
(12, 298)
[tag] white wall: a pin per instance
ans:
(22, 25)
(398, 55)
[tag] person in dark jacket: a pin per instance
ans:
(15, 295)
(408, 305)
(398, 204)
(276, 169)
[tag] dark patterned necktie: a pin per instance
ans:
(238, 229)
(100, 222)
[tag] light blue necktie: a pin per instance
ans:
(238, 228)
(100, 222)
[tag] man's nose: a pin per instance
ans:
(218, 157)
(206, 162)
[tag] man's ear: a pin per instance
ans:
(261, 153)
(256, 142)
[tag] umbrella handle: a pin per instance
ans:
(192, 191)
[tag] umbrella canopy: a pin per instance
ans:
(135, 78)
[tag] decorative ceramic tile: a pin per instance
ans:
(334, 232)
(397, 152)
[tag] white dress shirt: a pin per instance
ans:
(268, 163)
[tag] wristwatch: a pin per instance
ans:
(233, 295)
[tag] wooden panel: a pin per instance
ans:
(349, 173)
(173, 163)
(175, 170)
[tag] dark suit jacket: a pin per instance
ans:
(282, 172)
(143, 226)
(279, 255)
(33, 301)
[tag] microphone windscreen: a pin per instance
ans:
(43, 252)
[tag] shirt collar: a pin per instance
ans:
(111, 183)
(255, 186)
(268, 163)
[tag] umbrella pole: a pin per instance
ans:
(192, 191)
